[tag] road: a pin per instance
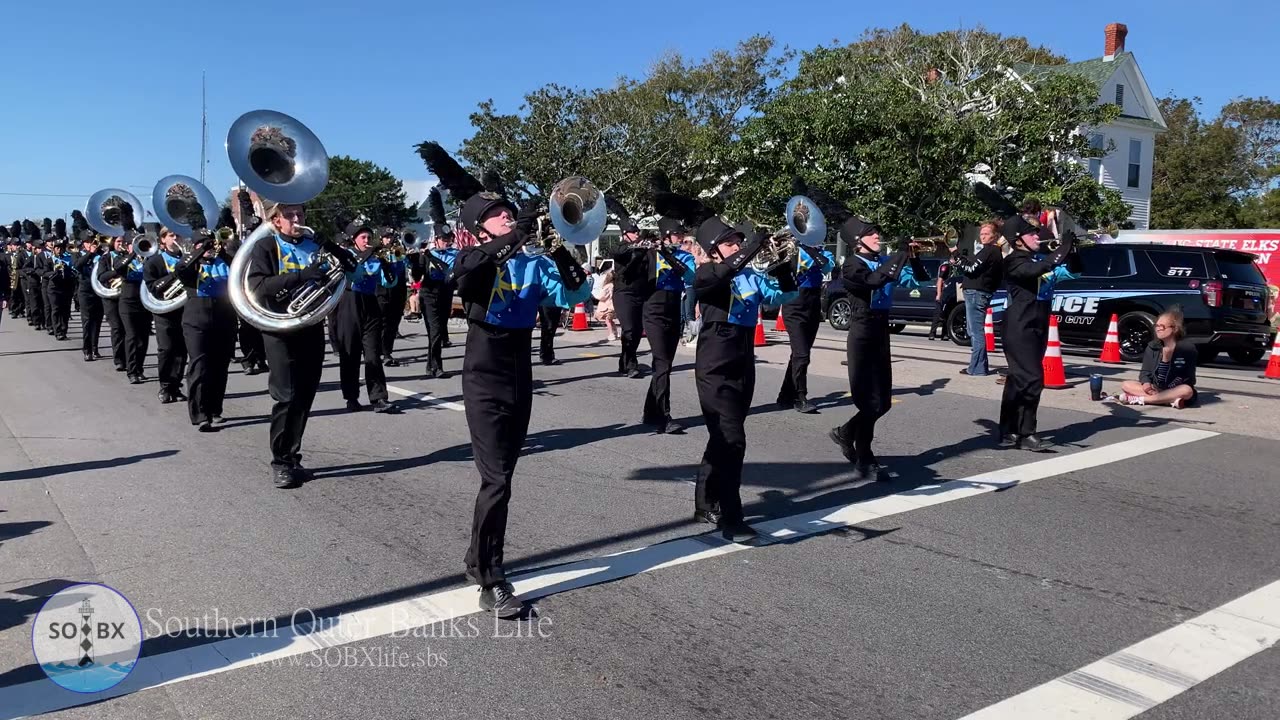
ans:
(1130, 572)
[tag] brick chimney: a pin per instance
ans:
(1116, 33)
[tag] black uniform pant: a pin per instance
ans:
(392, 306)
(46, 290)
(296, 360)
(802, 317)
(251, 350)
(115, 324)
(137, 333)
(355, 330)
(1024, 347)
(662, 326)
(91, 313)
(870, 379)
(548, 323)
(209, 330)
(436, 304)
(939, 321)
(61, 312)
(17, 300)
(725, 372)
(35, 302)
(629, 307)
(497, 381)
(171, 351)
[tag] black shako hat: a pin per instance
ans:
(357, 227)
(855, 228)
(481, 204)
(1016, 226)
(670, 226)
(714, 231)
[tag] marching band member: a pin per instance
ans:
(435, 296)
(46, 284)
(134, 318)
(501, 289)
(631, 286)
(31, 274)
(171, 348)
(391, 298)
(278, 265)
(208, 329)
(121, 248)
(6, 267)
(673, 270)
(1030, 281)
(802, 318)
(61, 281)
(870, 281)
(91, 310)
(356, 326)
(17, 255)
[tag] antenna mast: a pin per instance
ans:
(204, 128)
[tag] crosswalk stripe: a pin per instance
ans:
(423, 397)
(300, 638)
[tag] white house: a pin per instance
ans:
(1131, 139)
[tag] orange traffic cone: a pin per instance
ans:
(1273, 365)
(1111, 346)
(779, 325)
(1055, 375)
(579, 317)
(989, 329)
(760, 342)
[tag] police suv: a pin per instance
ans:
(1223, 296)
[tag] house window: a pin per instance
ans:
(1095, 164)
(1119, 95)
(1135, 162)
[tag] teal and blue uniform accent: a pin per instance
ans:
(667, 278)
(211, 282)
(809, 274)
(522, 284)
(882, 297)
(749, 290)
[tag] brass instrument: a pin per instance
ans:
(779, 247)
(103, 215)
(281, 160)
(185, 206)
(578, 211)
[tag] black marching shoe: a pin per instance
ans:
(282, 477)
(88, 357)
(670, 427)
(711, 516)
(135, 380)
(846, 447)
(390, 361)
(120, 368)
(249, 368)
(354, 406)
(550, 361)
(97, 355)
(501, 600)
(802, 405)
(218, 420)
(206, 426)
(872, 470)
(1032, 443)
(300, 473)
(382, 406)
(1008, 441)
(165, 397)
(786, 403)
(737, 530)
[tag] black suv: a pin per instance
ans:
(1222, 293)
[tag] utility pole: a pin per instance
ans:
(204, 128)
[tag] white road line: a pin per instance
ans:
(42, 696)
(423, 397)
(1154, 670)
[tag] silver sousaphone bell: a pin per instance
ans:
(578, 211)
(282, 161)
(806, 222)
(175, 200)
(102, 212)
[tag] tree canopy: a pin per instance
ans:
(359, 188)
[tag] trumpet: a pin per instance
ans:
(780, 247)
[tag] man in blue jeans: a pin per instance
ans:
(983, 274)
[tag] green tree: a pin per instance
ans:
(891, 124)
(359, 189)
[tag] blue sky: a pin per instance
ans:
(109, 95)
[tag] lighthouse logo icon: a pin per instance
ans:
(87, 638)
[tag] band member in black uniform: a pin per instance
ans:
(17, 253)
(278, 265)
(253, 359)
(61, 280)
(46, 280)
(730, 292)
(91, 311)
(431, 268)
(803, 315)
(208, 326)
(672, 271)
(632, 285)
(121, 248)
(6, 268)
(134, 318)
(391, 298)
(356, 326)
(1030, 280)
(501, 289)
(31, 275)
(171, 348)
(870, 281)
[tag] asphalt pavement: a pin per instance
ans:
(1129, 572)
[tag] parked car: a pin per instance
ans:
(1223, 295)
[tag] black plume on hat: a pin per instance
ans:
(60, 228)
(624, 218)
(997, 203)
(492, 181)
(15, 229)
(226, 219)
(687, 210)
(78, 223)
(435, 209)
(126, 217)
(460, 183)
(4, 232)
(47, 226)
(32, 230)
